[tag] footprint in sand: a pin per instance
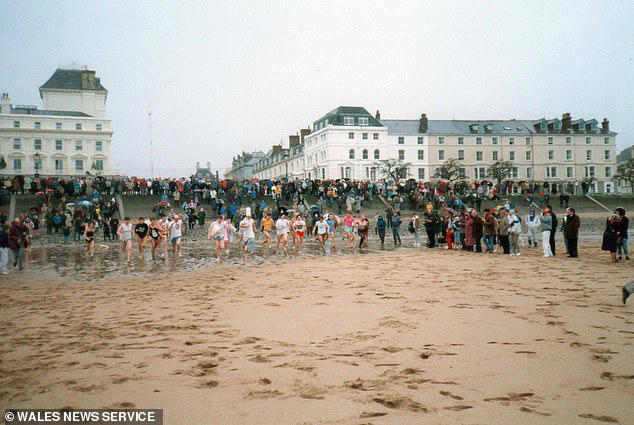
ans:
(591, 388)
(607, 419)
(260, 395)
(458, 407)
(448, 394)
(399, 402)
(371, 415)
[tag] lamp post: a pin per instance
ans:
(36, 160)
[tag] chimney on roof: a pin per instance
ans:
(378, 115)
(566, 122)
(422, 127)
(277, 149)
(5, 104)
(88, 80)
(293, 140)
(605, 126)
(303, 133)
(197, 165)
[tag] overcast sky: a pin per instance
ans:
(226, 76)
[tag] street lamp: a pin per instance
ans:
(36, 162)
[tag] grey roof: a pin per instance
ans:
(35, 111)
(71, 79)
(460, 127)
(335, 117)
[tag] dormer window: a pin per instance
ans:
(363, 121)
(488, 128)
(473, 128)
(348, 120)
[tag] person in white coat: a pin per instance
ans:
(532, 224)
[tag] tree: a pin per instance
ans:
(625, 173)
(393, 168)
(3, 163)
(449, 170)
(499, 171)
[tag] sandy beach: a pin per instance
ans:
(404, 337)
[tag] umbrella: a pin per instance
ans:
(49, 191)
(85, 203)
(39, 193)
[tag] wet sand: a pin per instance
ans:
(401, 337)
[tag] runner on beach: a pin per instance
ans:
(281, 225)
(163, 225)
(155, 236)
(89, 237)
(141, 231)
(299, 228)
(348, 227)
(125, 236)
(321, 229)
(247, 230)
(216, 233)
(175, 234)
(267, 228)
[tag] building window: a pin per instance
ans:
(17, 164)
(351, 154)
(569, 172)
(421, 174)
(441, 140)
(79, 165)
(17, 144)
(365, 154)
(37, 144)
(588, 155)
(350, 135)
(551, 140)
(551, 172)
(568, 155)
(494, 140)
(58, 125)
(479, 156)
(495, 155)
(16, 124)
(479, 173)
(478, 140)
(511, 155)
(607, 155)
(401, 154)
(588, 140)
(514, 172)
(401, 140)
(589, 169)
(98, 127)
(59, 164)
(529, 172)
(98, 145)
(511, 140)
(461, 155)
(462, 174)
(376, 136)
(528, 140)
(608, 171)
(568, 140)
(376, 154)
(421, 154)
(78, 126)
(461, 140)
(78, 146)
(441, 155)
(551, 155)
(365, 136)
(37, 124)
(606, 141)
(420, 140)
(59, 145)
(348, 120)
(363, 120)
(528, 155)
(38, 164)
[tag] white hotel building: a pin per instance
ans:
(348, 142)
(68, 137)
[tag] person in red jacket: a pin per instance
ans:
(18, 242)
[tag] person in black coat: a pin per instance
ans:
(610, 236)
(554, 229)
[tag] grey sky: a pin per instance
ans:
(227, 76)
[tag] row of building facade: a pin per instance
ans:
(349, 142)
(69, 136)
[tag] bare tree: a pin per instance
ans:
(449, 170)
(500, 171)
(393, 168)
(625, 173)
